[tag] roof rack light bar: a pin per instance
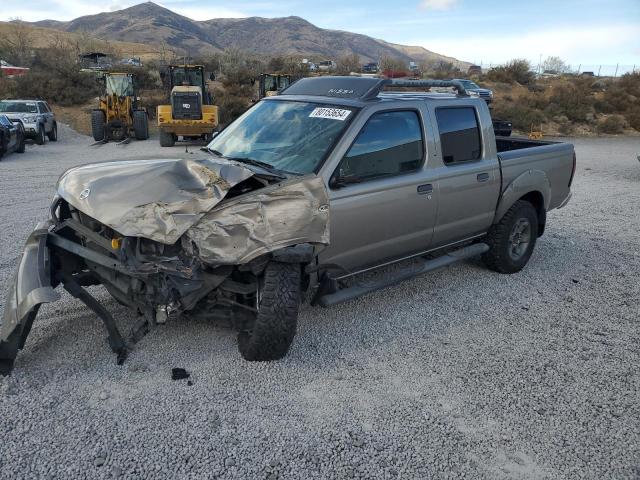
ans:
(399, 82)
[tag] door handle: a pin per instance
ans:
(483, 177)
(425, 189)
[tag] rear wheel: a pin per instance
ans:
(97, 125)
(512, 239)
(167, 139)
(53, 134)
(278, 298)
(140, 125)
(40, 137)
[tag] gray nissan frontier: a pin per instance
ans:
(334, 177)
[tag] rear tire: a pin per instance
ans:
(40, 137)
(53, 134)
(277, 319)
(97, 125)
(167, 139)
(140, 125)
(512, 239)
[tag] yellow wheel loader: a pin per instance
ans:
(118, 115)
(270, 84)
(190, 113)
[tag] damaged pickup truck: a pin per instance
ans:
(332, 178)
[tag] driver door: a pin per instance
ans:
(383, 205)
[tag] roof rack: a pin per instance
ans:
(400, 82)
(362, 88)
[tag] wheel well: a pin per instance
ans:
(537, 200)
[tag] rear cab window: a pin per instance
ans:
(460, 139)
(390, 143)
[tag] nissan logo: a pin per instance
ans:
(85, 193)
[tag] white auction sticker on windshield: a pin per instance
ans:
(331, 113)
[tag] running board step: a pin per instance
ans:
(450, 258)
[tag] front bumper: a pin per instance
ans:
(32, 286)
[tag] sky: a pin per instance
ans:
(581, 32)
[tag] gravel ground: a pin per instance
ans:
(462, 373)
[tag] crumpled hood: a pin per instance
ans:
(157, 199)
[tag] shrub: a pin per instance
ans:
(516, 71)
(613, 124)
(633, 117)
(521, 115)
(230, 104)
(572, 100)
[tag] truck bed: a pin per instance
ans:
(519, 155)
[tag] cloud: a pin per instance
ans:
(438, 4)
(587, 44)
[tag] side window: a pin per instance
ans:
(459, 134)
(390, 143)
(41, 107)
(46, 107)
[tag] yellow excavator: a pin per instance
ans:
(119, 115)
(190, 113)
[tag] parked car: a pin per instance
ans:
(370, 68)
(474, 70)
(474, 89)
(11, 136)
(36, 116)
(331, 178)
(502, 128)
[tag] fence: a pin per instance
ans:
(613, 70)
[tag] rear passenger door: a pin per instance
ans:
(382, 205)
(469, 178)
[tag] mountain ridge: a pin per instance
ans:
(293, 35)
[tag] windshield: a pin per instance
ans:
(18, 107)
(188, 77)
(290, 136)
(121, 85)
(469, 84)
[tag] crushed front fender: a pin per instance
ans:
(32, 286)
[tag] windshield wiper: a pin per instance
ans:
(256, 163)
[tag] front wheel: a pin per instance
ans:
(167, 139)
(278, 299)
(512, 239)
(53, 134)
(140, 125)
(21, 146)
(40, 136)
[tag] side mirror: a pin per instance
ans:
(341, 181)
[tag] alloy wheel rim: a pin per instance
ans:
(519, 239)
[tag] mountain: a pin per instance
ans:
(149, 23)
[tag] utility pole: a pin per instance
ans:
(616, 74)
(599, 68)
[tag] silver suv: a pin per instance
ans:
(36, 117)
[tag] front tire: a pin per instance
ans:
(512, 240)
(21, 145)
(277, 319)
(167, 139)
(40, 137)
(97, 125)
(140, 125)
(53, 134)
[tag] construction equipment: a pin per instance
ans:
(536, 133)
(190, 113)
(270, 84)
(119, 115)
